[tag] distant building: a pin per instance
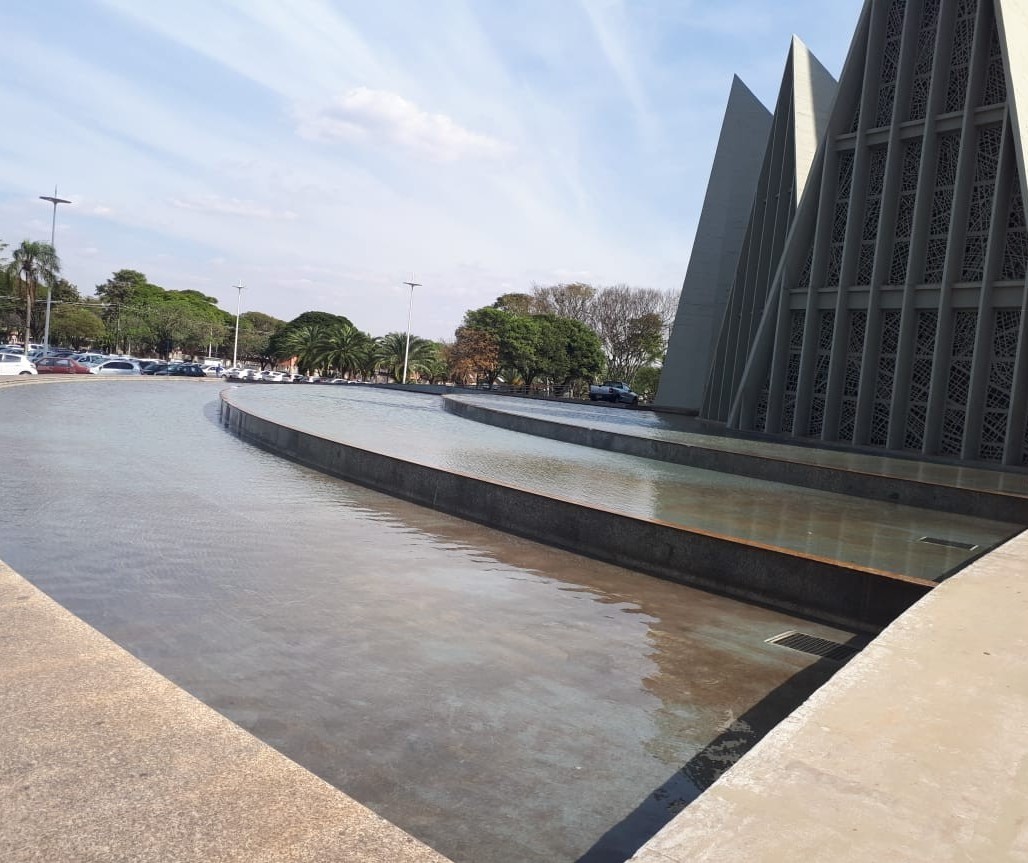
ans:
(896, 311)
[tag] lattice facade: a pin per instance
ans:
(923, 59)
(920, 379)
(825, 330)
(890, 62)
(960, 58)
(792, 369)
(915, 269)
(851, 382)
(807, 92)
(1006, 326)
(979, 216)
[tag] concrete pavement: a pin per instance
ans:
(916, 752)
(104, 760)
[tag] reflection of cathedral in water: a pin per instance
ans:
(894, 313)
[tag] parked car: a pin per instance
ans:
(186, 370)
(613, 391)
(115, 367)
(16, 364)
(239, 374)
(61, 366)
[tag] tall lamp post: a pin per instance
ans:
(53, 199)
(410, 311)
(235, 344)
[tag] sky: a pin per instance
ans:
(323, 152)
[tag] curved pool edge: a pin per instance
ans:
(978, 503)
(935, 707)
(104, 758)
(835, 592)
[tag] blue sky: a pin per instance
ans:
(323, 150)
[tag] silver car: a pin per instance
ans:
(115, 367)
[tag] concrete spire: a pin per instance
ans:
(716, 247)
(801, 114)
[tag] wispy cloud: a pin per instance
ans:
(384, 117)
(609, 22)
(232, 207)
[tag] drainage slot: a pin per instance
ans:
(949, 543)
(815, 646)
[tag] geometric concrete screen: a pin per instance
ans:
(801, 116)
(716, 247)
(897, 316)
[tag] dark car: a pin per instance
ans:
(60, 366)
(187, 370)
(152, 367)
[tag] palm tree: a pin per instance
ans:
(391, 349)
(30, 263)
(304, 343)
(342, 348)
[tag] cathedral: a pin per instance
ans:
(859, 273)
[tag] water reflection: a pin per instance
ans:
(462, 682)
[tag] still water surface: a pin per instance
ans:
(871, 533)
(503, 701)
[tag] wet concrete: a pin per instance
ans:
(875, 534)
(500, 700)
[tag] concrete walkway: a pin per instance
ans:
(102, 759)
(916, 751)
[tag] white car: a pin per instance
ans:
(115, 367)
(16, 364)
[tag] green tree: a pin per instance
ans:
(77, 326)
(646, 381)
(126, 297)
(436, 370)
(515, 337)
(278, 343)
(342, 348)
(31, 263)
(537, 347)
(256, 330)
(390, 350)
(303, 343)
(571, 350)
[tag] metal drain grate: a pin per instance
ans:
(816, 646)
(949, 543)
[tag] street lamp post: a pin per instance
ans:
(235, 344)
(410, 311)
(53, 199)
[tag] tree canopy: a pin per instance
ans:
(493, 343)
